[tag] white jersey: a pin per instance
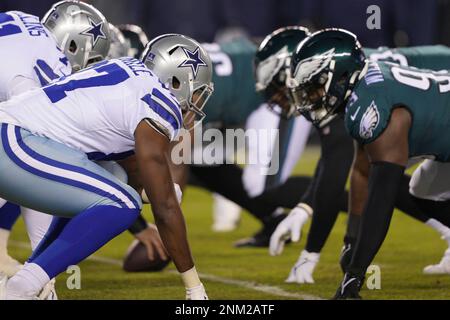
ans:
(29, 55)
(97, 110)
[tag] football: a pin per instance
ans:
(136, 259)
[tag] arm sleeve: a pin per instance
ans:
(384, 181)
(328, 186)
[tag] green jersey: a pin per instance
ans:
(425, 93)
(235, 98)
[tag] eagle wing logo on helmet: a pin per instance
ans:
(309, 67)
(268, 68)
(369, 121)
(95, 31)
(193, 61)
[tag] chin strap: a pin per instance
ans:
(356, 76)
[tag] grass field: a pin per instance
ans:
(231, 273)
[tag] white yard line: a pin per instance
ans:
(260, 287)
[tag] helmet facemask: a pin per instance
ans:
(325, 69)
(324, 96)
(271, 78)
(184, 67)
(193, 102)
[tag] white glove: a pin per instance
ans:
(303, 270)
(289, 228)
(196, 293)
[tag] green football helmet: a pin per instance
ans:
(325, 68)
(272, 67)
(136, 37)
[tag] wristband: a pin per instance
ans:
(305, 207)
(140, 224)
(190, 278)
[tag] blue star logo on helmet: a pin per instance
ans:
(95, 31)
(194, 60)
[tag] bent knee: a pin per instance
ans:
(123, 197)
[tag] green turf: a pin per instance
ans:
(409, 247)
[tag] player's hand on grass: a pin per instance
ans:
(289, 228)
(349, 288)
(152, 241)
(196, 293)
(302, 271)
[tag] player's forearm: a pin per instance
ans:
(167, 213)
(359, 182)
(384, 181)
(359, 179)
(330, 188)
(172, 229)
(180, 172)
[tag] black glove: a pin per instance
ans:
(349, 288)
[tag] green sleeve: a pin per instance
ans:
(367, 113)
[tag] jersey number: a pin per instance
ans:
(7, 29)
(421, 80)
(102, 74)
(222, 62)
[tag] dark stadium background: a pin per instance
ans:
(403, 22)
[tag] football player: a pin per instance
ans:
(113, 109)
(387, 111)
(231, 106)
(235, 105)
(145, 232)
(333, 167)
(24, 70)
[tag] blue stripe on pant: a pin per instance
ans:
(39, 173)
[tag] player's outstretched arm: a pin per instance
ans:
(388, 156)
(151, 154)
(359, 179)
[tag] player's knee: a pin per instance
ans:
(135, 199)
(123, 196)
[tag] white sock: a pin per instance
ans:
(27, 283)
(37, 224)
(443, 230)
(4, 236)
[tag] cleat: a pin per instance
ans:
(49, 291)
